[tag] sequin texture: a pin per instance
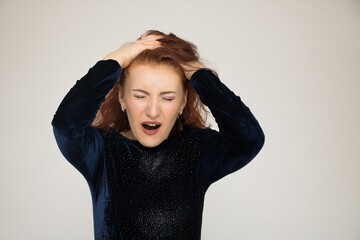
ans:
(154, 193)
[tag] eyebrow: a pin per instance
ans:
(145, 92)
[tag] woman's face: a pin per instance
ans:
(153, 96)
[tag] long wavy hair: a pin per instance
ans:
(174, 52)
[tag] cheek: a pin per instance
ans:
(172, 110)
(135, 108)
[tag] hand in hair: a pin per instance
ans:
(127, 52)
(191, 67)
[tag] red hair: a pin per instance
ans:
(174, 52)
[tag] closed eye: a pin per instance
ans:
(168, 98)
(139, 96)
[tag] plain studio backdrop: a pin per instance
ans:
(296, 64)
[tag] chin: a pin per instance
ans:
(150, 143)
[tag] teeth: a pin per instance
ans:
(151, 126)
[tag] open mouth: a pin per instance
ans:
(151, 126)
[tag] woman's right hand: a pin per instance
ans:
(128, 52)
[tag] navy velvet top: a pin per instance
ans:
(153, 193)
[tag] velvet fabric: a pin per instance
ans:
(153, 193)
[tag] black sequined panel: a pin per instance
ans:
(153, 193)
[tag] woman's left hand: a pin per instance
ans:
(191, 67)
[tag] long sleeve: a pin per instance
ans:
(240, 136)
(78, 141)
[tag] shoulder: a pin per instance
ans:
(197, 134)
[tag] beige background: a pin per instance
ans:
(295, 63)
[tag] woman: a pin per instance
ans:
(145, 152)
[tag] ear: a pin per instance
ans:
(121, 101)
(184, 101)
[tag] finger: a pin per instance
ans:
(151, 44)
(151, 37)
(147, 42)
(150, 41)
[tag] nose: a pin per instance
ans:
(153, 109)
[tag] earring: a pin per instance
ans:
(122, 108)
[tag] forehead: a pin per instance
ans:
(156, 77)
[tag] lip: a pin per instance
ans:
(150, 131)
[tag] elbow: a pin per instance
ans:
(255, 142)
(258, 142)
(59, 121)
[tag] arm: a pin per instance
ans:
(240, 136)
(79, 142)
